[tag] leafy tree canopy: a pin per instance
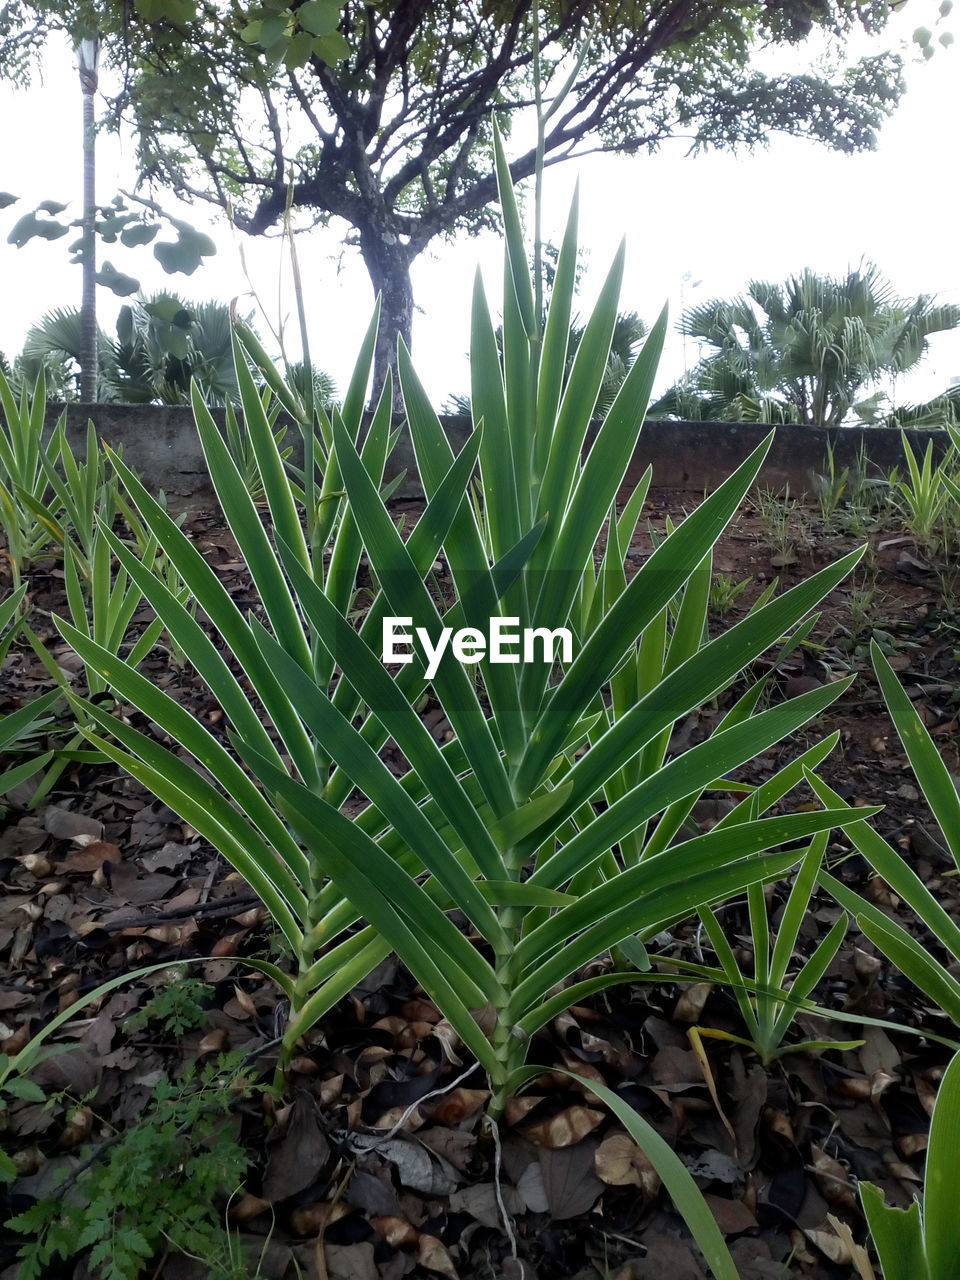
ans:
(379, 114)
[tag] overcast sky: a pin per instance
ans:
(696, 228)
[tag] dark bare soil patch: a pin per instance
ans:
(103, 879)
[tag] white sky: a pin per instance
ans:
(696, 228)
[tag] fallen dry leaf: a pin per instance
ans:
(90, 858)
(690, 1005)
(417, 1167)
(732, 1216)
(830, 1245)
(350, 1262)
(433, 1256)
(299, 1155)
(859, 1257)
(569, 1181)
(214, 1041)
(247, 1208)
(563, 1130)
(619, 1162)
(311, 1219)
(517, 1108)
(832, 1179)
(480, 1201)
(396, 1231)
(64, 824)
(458, 1104)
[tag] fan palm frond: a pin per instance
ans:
(806, 350)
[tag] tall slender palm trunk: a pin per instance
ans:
(88, 305)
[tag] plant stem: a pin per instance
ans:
(509, 1050)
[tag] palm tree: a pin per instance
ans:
(161, 343)
(804, 351)
(88, 55)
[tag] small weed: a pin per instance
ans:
(786, 524)
(152, 1190)
(724, 591)
(831, 487)
(865, 604)
(177, 1008)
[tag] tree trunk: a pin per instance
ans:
(88, 304)
(388, 265)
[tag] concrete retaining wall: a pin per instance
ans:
(161, 443)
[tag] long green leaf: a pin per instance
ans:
(941, 1221)
(931, 772)
(685, 775)
(683, 1191)
(897, 1236)
(648, 592)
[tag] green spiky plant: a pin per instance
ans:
(932, 976)
(501, 824)
(22, 475)
(923, 1243)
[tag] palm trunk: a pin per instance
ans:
(88, 304)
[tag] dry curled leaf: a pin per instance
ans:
(247, 1208)
(311, 1219)
(831, 1246)
(619, 1162)
(517, 1108)
(396, 1231)
(214, 1041)
(458, 1104)
(245, 1002)
(433, 1256)
(690, 1005)
(78, 1127)
(832, 1179)
(91, 857)
(563, 1130)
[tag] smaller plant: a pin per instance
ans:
(11, 620)
(831, 487)
(19, 729)
(22, 475)
(152, 1190)
(177, 1007)
(724, 592)
(921, 494)
(950, 471)
(18, 735)
(76, 499)
(767, 1014)
(865, 611)
(924, 1243)
(16, 1087)
(105, 616)
(784, 522)
(240, 443)
(14, 1071)
(914, 960)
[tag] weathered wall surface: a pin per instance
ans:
(162, 444)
